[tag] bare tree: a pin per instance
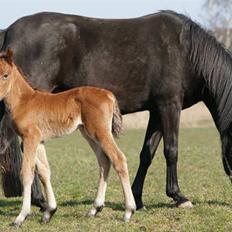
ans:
(219, 18)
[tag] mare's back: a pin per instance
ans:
(124, 55)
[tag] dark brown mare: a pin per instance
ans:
(45, 115)
(162, 63)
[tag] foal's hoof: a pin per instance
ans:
(15, 225)
(48, 214)
(185, 205)
(128, 214)
(94, 211)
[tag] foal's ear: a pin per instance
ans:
(9, 56)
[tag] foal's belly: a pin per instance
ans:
(55, 130)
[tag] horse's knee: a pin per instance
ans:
(170, 154)
(120, 165)
(27, 174)
(145, 159)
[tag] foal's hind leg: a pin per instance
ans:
(104, 168)
(170, 116)
(119, 162)
(45, 175)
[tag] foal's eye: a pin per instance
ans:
(5, 76)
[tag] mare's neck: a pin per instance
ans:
(19, 92)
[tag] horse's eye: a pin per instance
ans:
(5, 76)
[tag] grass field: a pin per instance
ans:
(75, 174)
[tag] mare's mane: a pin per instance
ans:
(210, 59)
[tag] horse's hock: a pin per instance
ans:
(196, 116)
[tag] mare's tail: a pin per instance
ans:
(117, 120)
(10, 163)
(10, 156)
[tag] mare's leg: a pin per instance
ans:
(119, 162)
(27, 175)
(104, 168)
(170, 117)
(151, 142)
(45, 176)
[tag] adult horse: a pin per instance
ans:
(162, 63)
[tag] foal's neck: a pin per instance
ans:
(19, 90)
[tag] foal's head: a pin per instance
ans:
(6, 69)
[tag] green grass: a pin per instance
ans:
(75, 176)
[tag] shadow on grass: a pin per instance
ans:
(196, 202)
(6, 203)
(76, 203)
(112, 205)
(115, 206)
(159, 205)
(212, 202)
(5, 206)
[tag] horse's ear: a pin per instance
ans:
(9, 56)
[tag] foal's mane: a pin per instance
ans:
(3, 55)
(213, 61)
(25, 78)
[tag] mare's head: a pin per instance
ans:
(6, 71)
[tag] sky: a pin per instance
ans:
(11, 10)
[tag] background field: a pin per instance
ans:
(75, 173)
(195, 116)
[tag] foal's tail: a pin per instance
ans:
(117, 120)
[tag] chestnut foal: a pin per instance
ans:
(39, 116)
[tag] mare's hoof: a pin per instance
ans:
(185, 205)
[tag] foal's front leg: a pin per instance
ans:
(45, 176)
(27, 175)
